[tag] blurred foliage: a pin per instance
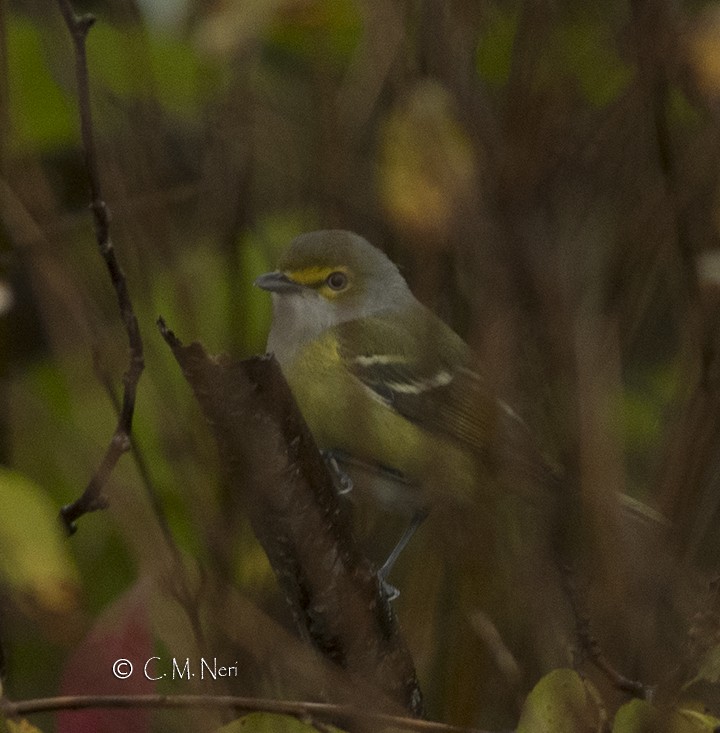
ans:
(546, 175)
(18, 726)
(41, 115)
(36, 566)
(639, 716)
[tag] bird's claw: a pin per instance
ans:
(342, 481)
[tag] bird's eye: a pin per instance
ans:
(337, 280)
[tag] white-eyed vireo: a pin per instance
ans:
(381, 378)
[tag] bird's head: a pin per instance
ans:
(329, 277)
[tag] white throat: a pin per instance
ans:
(298, 318)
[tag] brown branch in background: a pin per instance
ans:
(272, 464)
(92, 498)
(307, 711)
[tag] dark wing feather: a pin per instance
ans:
(421, 368)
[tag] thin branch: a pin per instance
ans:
(591, 646)
(92, 498)
(303, 710)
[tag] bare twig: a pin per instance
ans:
(591, 646)
(92, 498)
(299, 709)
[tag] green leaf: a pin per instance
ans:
(636, 716)
(639, 716)
(34, 557)
(709, 669)
(561, 702)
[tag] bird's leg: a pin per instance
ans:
(417, 519)
(344, 484)
(342, 481)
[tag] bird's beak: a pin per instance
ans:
(277, 282)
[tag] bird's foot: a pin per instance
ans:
(342, 481)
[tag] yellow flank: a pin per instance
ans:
(310, 276)
(336, 407)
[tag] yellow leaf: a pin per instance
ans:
(34, 556)
(18, 726)
(427, 166)
(703, 50)
(562, 702)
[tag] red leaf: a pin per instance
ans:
(122, 632)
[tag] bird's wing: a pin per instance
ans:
(436, 387)
(421, 369)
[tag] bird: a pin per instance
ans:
(382, 380)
